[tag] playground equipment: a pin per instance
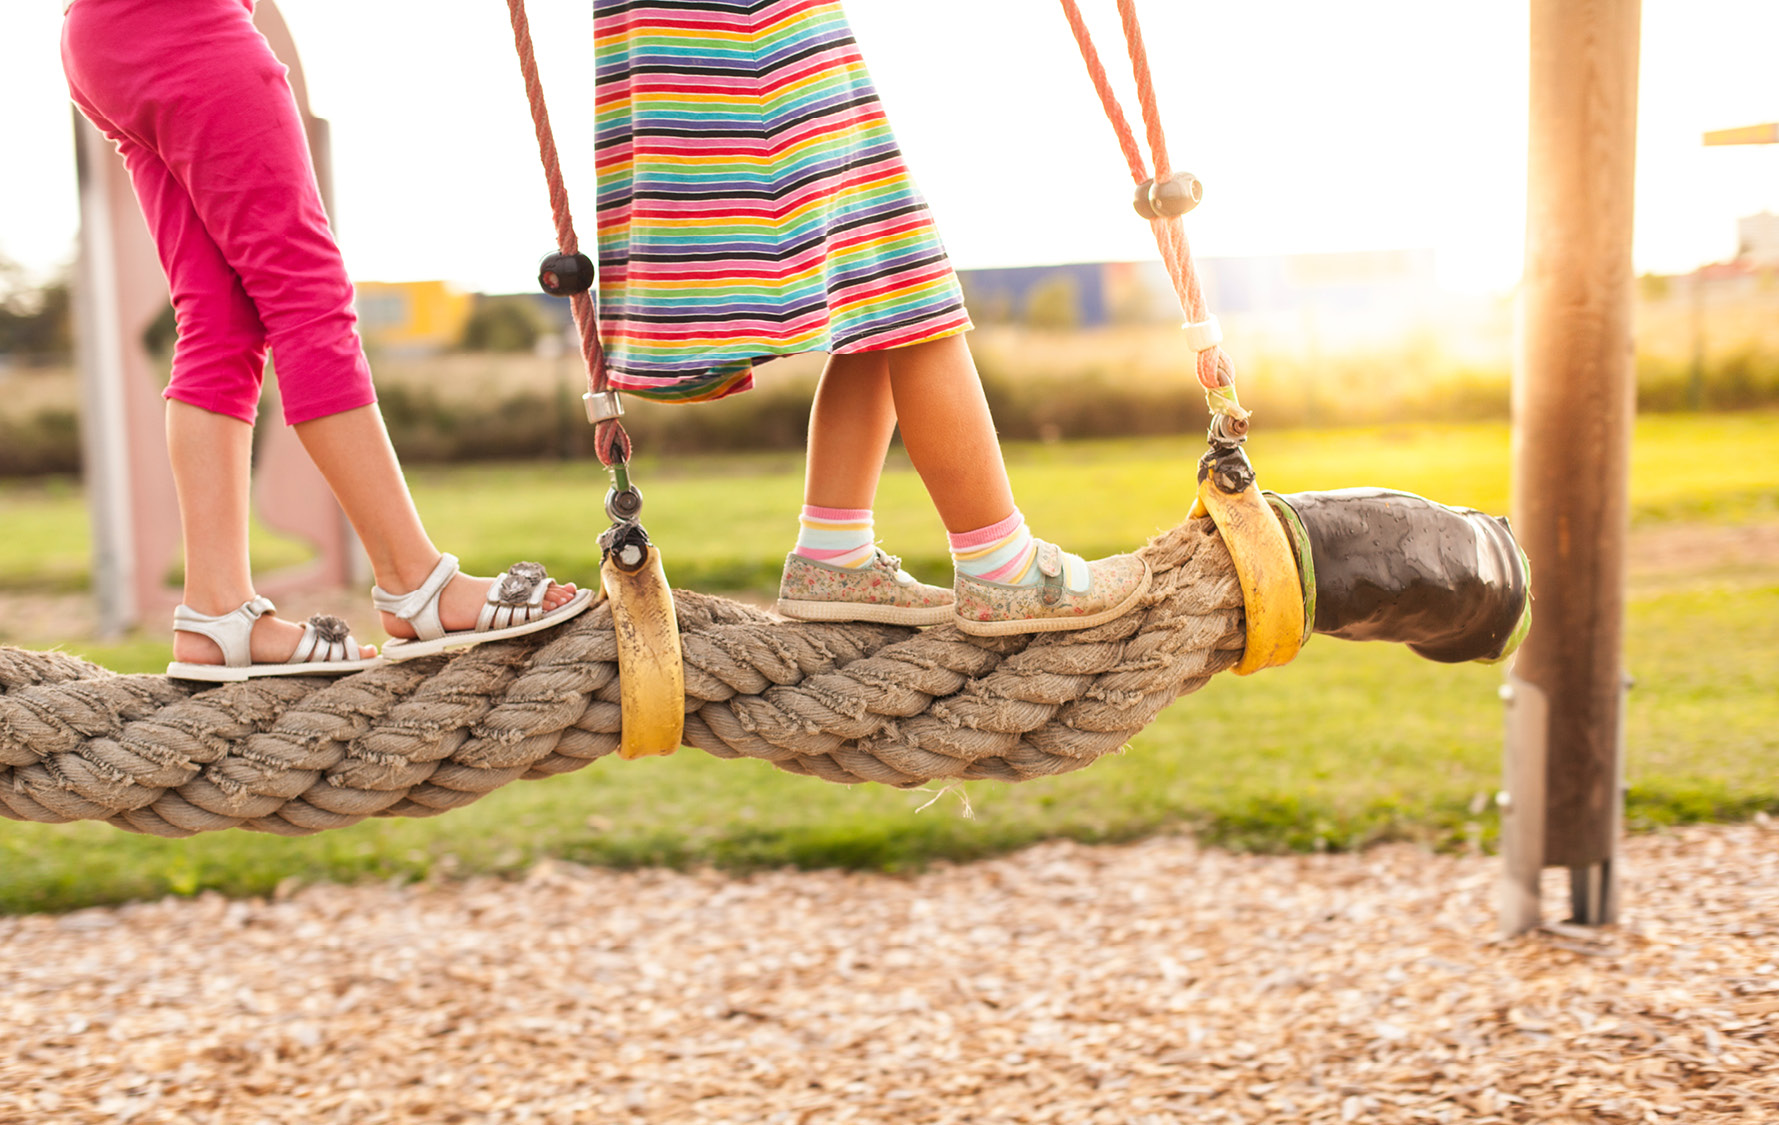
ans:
(842, 702)
(1574, 395)
(1240, 584)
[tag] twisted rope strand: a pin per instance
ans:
(1212, 366)
(842, 702)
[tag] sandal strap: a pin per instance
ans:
(516, 598)
(325, 640)
(421, 607)
(232, 631)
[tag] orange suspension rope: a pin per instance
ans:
(1229, 423)
(610, 441)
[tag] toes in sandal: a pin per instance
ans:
(326, 648)
(515, 607)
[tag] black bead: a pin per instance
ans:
(563, 275)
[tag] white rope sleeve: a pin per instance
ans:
(1203, 335)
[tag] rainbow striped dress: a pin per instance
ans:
(752, 200)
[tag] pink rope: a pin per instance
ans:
(1114, 112)
(1170, 232)
(610, 441)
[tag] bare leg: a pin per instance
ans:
(211, 455)
(949, 433)
(849, 431)
(352, 451)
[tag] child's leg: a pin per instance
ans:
(221, 165)
(949, 433)
(836, 572)
(352, 451)
(850, 425)
(210, 454)
(1007, 580)
(933, 391)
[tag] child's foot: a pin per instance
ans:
(450, 609)
(461, 603)
(1068, 593)
(273, 641)
(878, 591)
(250, 641)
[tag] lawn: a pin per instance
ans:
(1350, 744)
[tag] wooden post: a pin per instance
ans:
(1574, 398)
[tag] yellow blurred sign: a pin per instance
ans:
(1746, 135)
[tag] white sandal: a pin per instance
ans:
(514, 608)
(326, 648)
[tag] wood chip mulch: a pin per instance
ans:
(1131, 985)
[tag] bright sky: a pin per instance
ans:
(1374, 124)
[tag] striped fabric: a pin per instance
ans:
(836, 536)
(752, 199)
(1000, 552)
(1005, 552)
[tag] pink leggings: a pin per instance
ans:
(203, 115)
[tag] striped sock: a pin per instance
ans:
(1001, 552)
(1005, 552)
(836, 536)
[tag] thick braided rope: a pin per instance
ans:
(841, 702)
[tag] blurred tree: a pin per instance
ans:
(161, 334)
(1054, 304)
(503, 324)
(986, 307)
(35, 321)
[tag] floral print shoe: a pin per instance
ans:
(993, 609)
(879, 591)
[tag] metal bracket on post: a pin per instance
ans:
(1522, 805)
(1595, 890)
(1593, 894)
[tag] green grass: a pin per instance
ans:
(1349, 745)
(725, 522)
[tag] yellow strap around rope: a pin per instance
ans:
(1264, 562)
(652, 676)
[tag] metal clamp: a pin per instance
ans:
(602, 406)
(651, 669)
(623, 505)
(1265, 564)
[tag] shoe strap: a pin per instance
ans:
(516, 598)
(1050, 571)
(232, 631)
(420, 608)
(325, 640)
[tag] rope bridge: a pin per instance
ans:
(842, 702)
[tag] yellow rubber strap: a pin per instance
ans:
(1264, 564)
(652, 675)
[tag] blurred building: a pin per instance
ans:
(412, 317)
(1757, 239)
(1387, 287)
